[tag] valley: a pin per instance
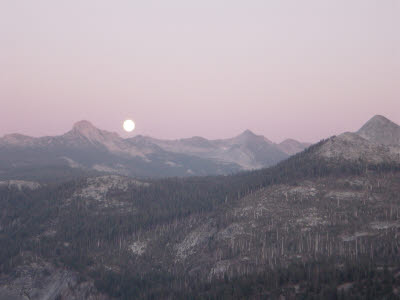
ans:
(323, 223)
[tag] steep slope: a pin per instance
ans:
(376, 142)
(381, 130)
(247, 150)
(291, 147)
(86, 150)
(251, 151)
(352, 147)
(38, 279)
(325, 222)
(17, 140)
(309, 219)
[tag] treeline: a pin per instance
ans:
(85, 236)
(318, 279)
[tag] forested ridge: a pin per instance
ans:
(300, 229)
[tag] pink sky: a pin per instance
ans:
(301, 69)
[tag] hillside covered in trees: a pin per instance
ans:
(310, 227)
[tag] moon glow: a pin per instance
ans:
(128, 125)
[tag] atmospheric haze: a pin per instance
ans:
(206, 68)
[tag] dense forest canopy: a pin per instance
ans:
(92, 236)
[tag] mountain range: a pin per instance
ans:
(321, 224)
(88, 149)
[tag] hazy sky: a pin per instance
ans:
(303, 69)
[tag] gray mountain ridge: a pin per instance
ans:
(318, 208)
(87, 148)
(90, 150)
(375, 142)
(381, 130)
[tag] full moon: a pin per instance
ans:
(129, 125)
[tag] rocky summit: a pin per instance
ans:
(88, 150)
(323, 224)
(381, 130)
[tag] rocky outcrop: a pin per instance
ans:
(381, 130)
(350, 146)
(40, 280)
(291, 147)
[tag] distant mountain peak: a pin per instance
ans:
(291, 146)
(378, 120)
(18, 139)
(86, 130)
(350, 146)
(377, 141)
(87, 147)
(248, 132)
(17, 136)
(380, 130)
(84, 126)
(249, 135)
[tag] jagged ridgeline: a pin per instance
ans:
(86, 150)
(321, 224)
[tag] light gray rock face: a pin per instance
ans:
(256, 228)
(193, 241)
(352, 147)
(380, 130)
(42, 281)
(291, 147)
(86, 148)
(96, 188)
(17, 139)
(247, 150)
(378, 141)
